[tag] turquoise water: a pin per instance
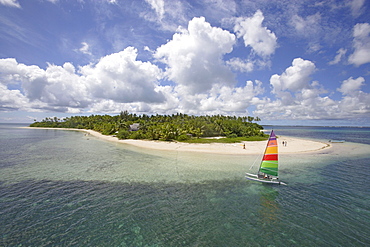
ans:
(62, 188)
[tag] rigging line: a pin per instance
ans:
(265, 149)
(254, 162)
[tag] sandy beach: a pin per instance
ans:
(294, 145)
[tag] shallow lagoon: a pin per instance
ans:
(64, 188)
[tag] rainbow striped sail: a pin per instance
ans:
(269, 164)
(268, 172)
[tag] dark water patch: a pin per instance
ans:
(218, 213)
(213, 213)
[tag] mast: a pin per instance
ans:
(269, 164)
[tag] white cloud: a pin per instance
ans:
(340, 53)
(355, 102)
(111, 106)
(12, 73)
(295, 78)
(361, 44)
(238, 64)
(10, 3)
(228, 99)
(63, 87)
(169, 106)
(296, 96)
(158, 6)
(304, 104)
(219, 9)
(306, 26)
(309, 28)
(261, 39)
(11, 100)
(219, 100)
(118, 77)
(194, 56)
(85, 49)
(168, 15)
(351, 86)
(56, 86)
(356, 7)
(8, 66)
(91, 88)
(122, 78)
(321, 108)
(299, 98)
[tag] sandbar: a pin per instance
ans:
(294, 145)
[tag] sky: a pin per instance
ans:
(288, 62)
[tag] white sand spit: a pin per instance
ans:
(294, 145)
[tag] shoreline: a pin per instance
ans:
(294, 145)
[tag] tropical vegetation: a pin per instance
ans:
(180, 127)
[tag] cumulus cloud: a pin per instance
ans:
(194, 56)
(219, 100)
(361, 44)
(355, 101)
(118, 77)
(297, 97)
(294, 78)
(196, 79)
(259, 38)
(240, 65)
(57, 86)
(351, 86)
(228, 99)
(10, 3)
(340, 53)
(11, 100)
(122, 78)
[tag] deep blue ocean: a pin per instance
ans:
(63, 188)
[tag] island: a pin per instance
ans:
(181, 132)
(175, 127)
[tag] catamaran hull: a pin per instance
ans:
(254, 177)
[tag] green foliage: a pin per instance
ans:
(108, 129)
(137, 135)
(183, 137)
(123, 134)
(232, 135)
(179, 126)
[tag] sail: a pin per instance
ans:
(269, 164)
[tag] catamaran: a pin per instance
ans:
(268, 171)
